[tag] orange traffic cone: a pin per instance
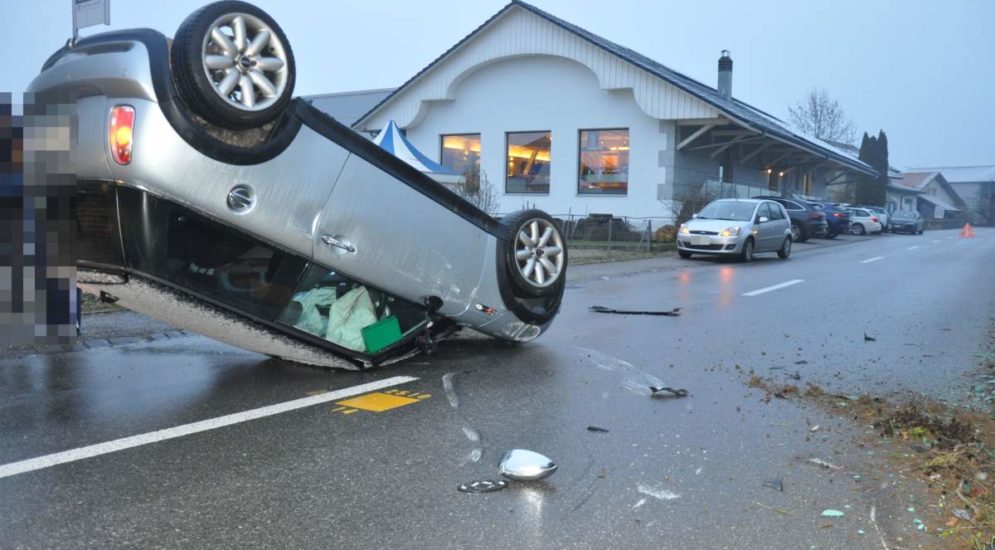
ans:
(968, 231)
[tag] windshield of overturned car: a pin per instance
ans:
(335, 308)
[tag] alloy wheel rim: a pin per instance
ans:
(245, 61)
(539, 253)
(795, 231)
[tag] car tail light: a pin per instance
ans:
(874, 219)
(122, 131)
(838, 214)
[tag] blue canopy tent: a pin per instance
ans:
(392, 140)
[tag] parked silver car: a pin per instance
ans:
(737, 227)
(210, 198)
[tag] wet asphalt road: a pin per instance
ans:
(669, 473)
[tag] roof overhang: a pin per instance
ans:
(741, 114)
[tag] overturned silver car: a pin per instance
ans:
(208, 197)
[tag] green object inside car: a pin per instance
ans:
(381, 334)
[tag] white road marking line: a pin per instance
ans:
(874, 259)
(949, 237)
(912, 247)
(936, 241)
(47, 461)
(773, 288)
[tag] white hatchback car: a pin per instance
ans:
(737, 227)
(863, 221)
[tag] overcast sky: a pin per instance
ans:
(924, 71)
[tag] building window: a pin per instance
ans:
(604, 162)
(461, 153)
(528, 162)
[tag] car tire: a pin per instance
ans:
(798, 233)
(858, 229)
(785, 251)
(683, 253)
(747, 254)
(537, 249)
(831, 235)
(921, 231)
(254, 60)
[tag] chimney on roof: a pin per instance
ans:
(725, 75)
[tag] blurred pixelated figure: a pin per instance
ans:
(39, 302)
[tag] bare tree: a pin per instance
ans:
(823, 117)
(476, 189)
(688, 200)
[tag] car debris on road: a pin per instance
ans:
(666, 313)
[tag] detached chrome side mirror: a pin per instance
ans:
(523, 465)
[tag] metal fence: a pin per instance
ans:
(605, 237)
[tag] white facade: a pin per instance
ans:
(526, 71)
(543, 93)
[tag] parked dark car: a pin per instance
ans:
(907, 221)
(836, 216)
(806, 220)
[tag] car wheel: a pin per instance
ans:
(537, 257)
(858, 229)
(785, 250)
(747, 254)
(683, 253)
(831, 235)
(798, 233)
(921, 231)
(232, 65)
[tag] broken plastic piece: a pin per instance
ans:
(674, 392)
(525, 465)
(824, 464)
(775, 484)
(482, 486)
(601, 309)
(830, 513)
(869, 338)
(963, 514)
(597, 429)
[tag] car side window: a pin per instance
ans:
(792, 205)
(763, 211)
(775, 211)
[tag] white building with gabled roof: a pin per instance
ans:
(561, 119)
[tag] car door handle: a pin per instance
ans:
(337, 243)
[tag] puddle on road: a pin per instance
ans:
(471, 433)
(450, 389)
(658, 493)
(634, 379)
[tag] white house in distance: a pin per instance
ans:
(561, 119)
(975, 185)
(931, 195)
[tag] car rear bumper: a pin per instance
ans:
(903, 228)
(817, 228)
